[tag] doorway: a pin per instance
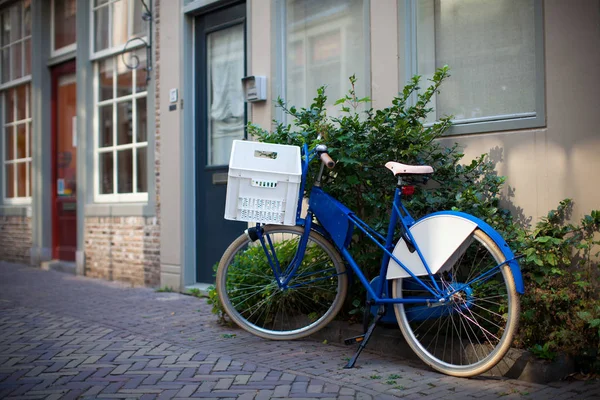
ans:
(220, 119)
(64, 162)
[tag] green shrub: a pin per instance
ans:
(561, 306)
(363, 141)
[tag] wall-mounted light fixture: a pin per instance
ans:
(134, 60)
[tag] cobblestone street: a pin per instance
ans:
(63, 336)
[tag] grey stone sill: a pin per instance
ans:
(120, 210)
(16, 211)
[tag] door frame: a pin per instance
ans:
(68, 67)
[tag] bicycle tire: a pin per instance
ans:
(246, 284)
(481, 319)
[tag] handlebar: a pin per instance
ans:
(327, 160)
(321, 151)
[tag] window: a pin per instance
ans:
(115, 22)
(64, 28)
(324, 44)
(121, 140)
(491, 49)
(15, 42)
(17, 144)
(15, 92)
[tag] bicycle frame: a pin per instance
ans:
(337, 223)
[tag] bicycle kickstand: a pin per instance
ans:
(364, 338)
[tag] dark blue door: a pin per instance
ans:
(221, 118)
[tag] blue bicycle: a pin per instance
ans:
(452, 280)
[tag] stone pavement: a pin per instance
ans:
(63, 336)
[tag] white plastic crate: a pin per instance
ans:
(264, 180)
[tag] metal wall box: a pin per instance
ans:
(255, 88)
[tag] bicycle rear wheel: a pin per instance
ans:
(251, 296)
(471, 332)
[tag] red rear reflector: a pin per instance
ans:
(408, 190)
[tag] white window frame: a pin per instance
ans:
(24, 80)
(96, 57)
(115, 101)
(54, 52)
(15, 161)
(407, 26)
(112, 49)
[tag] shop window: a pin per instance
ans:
(492, 50)
(64, 27)
(324, 44)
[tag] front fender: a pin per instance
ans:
(439, 235)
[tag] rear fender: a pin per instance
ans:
(440, 237)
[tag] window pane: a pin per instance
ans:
(16, 16)
(21, 92)
(325, 45)
(22, 179)
(27, 17)
(105, 168)
(120, 15)
(490, 48)
(142, 166)
(5, 65)
(9, 105)
(100, 2)
(30, 144)
(106, 71)
(27, 45)
(140, 27)
(21, 141)
(226, 107)
(16, 55)
(141, 82)
(124, 76)
(64, 23)
(5, 35)
(10, 181)
(101, 29)
(30, 192)
(10, 143)
(125, 171)
(141, 119)
(105, 130)
(124, 122)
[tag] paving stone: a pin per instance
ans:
(82, 338)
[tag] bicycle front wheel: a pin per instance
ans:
(252, 297)
(471, 332)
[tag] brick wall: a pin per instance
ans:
(15, 239)
(125, 249)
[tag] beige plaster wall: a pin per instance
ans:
(169, 45)
(260, 62)
(546, 165)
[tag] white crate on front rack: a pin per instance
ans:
(263, 183)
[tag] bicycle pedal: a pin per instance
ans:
(354, 340)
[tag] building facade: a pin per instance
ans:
(78, 167)
(149, 211)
